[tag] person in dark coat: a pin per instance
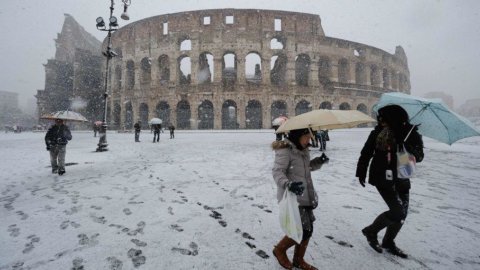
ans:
(56, 140)
(172, 131)
(291, 171)
(156, 132)
(138, 128)
(392, 131)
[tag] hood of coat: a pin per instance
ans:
(277, 145)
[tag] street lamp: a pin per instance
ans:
(109, 54)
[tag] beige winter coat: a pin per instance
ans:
(293, 165)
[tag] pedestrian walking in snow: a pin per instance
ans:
(156, 132)
(172, 131)
(291, 171)
(392, 131)
(138, 128)
(322, 137)
(56, 140)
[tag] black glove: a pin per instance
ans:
(361, 179)
(296, 187)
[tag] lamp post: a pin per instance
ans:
(109, 54)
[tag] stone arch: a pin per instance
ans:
(363, 108)
(117, 111)
(302, 107)
(143, 113)
(302, 69)
(278, 69)
(146, 70)
(277, 43)
(253, 68)
(205, 115)
(128, 115)
(164, 69)
(184, 70)
(185, 43)
(386, 78)
(162, 111)
(343, 70)
(278, 108)
(326, 105)
(360, 73)
(324, 69)
(253, 114)
(374, 75)
(130, 74)
(229, 69)
(344, 106)
(229, 115)
(205, 68)
(183, 114)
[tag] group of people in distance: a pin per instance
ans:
(156, 128)
(377, 157)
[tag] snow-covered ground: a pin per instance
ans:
(206, 200)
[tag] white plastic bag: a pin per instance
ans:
(406, 163)
(290, 220)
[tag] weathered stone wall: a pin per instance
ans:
(311, 70)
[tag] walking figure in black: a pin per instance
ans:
(138, 128)
(156, 132)
(172, 131)
(56, 140)
(392, 131)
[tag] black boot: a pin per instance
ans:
(371, 231)
(388, 242)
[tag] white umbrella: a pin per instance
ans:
(279, 120)
(66, 115)
(155, 121)
(326, 119)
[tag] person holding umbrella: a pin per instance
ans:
(156, 132)
(291, 171)
(56, 140)
(392, 131)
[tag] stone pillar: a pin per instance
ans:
(334, 70)
(267, 115)
(217, 119)
(367, 74)
(241, 110)
(240, 70)
(351, 75)
(313, 74)
(266, 70)
(217, 70)
(193, 113)
(194, 70)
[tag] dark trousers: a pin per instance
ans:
(137, 136)
(172, 134)
(156, 134)
(397, 199)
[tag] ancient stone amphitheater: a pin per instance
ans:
(241, 68)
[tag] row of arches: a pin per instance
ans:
(181, 114)
(255, 71)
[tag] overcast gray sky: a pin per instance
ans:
(441, 37)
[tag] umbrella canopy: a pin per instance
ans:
(279, 120)
(326, 119)
(434, 118)
(98, 123)
(155, 121)
(66, 115)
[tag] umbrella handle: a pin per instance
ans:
(410, 132)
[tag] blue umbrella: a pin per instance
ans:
(434, 118)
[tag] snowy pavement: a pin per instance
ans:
(207, 200)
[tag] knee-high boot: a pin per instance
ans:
(388, 240)
(371, 231)
(299, 254)
(280, 252)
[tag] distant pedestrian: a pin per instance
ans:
(156, 132)
(278, 136)
(56, 140)
(138, 128)
(95, 130)
(172, 131)
(322, 137)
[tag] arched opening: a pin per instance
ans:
(117, 110)
(324, 70)
(184, 70)
(326, 105)
(128, 115)
(360, 73)
(130, 74)
(302, 107)
(253, 115)
(205, 115)
(278, 108)
(343, 71)
(143, 111)
(386, 79)
(277, 43)
(344, 106)
(164, 69)
(163, 112)
(205, 68)
(302, 69)
(183, 114)
(229, 69)
(229, 115)
(146, 70)
(373, 75)
(118, 78)
(186, 45)
(363, 108)
(253, 68)
(278, 69)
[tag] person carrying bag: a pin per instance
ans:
(296, 195)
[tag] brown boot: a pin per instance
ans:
(280, 252)
(298, 261)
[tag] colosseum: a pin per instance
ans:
(241, 68)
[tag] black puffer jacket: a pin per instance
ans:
(58, 135)
(379, 164)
